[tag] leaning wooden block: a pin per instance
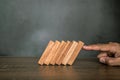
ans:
(75, 53)
(69, 53)
(55, 57)
(46, 52)
(51, 53)
(56, 48)
(60, 53)
(63, 53)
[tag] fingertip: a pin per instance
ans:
(108, 60)
(95, 47)
(102, 54)
(86, 47)
(102, 60)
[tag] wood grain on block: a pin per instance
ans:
(46, 52)
(51, 53)
(63, 53)
(70, 52)
(75, 53)
(55, 57)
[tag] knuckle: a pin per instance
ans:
(114, 46)
(110, 62)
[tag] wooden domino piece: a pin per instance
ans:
(60, 53)
(69, 53)
(46, 52)
(55, 57)
(63, 53)
(75, 53)
(51, 53)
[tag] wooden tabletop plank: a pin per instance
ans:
(27, 68)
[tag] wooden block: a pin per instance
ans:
(75, 53)
(70, 52)
(60, 52)
(63, 53)
(46, 52)
(55, 57)
(51, 53)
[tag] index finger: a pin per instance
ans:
(98, 47)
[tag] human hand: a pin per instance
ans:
(109, 53)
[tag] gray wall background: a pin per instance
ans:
(26, 26)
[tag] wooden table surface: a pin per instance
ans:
(26, 68)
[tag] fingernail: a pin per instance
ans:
(102, 60)
(85, 46)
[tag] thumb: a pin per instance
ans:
(110, 61)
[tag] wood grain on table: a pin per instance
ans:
(27, 68)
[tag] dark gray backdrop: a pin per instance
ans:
(26, 26)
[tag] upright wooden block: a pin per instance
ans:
(55, 57)
(46, 52)
(51, 53)
(70, 52)
(75, 53)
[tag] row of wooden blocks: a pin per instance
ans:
(60, 53)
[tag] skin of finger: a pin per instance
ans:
(111, 47)
(106, 60)
(112, 61)
(102, 54)
(89, 47)
(117, 55)
(102, 60)
(115, 47)
(98, 47)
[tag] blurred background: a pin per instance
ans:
(26, 26)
